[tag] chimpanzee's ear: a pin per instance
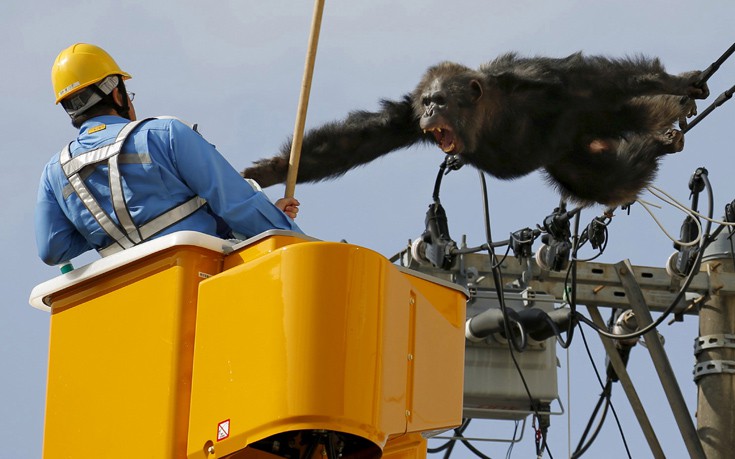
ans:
(476, 89)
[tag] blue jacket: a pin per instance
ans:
(172, 163)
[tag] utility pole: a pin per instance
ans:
(714, 371)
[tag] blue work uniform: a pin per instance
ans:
(163, 163)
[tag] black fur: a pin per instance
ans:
(597, 126)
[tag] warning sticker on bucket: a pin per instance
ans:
(223, 430)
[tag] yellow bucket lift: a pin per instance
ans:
(282, 345)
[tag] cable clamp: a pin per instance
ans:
(721, 340)
(712, 367)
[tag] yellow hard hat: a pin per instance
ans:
(79, 66)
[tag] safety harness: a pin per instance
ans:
(126, 233)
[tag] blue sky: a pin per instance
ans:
(235, 68)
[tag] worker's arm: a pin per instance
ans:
(56, 237)
(207, 173)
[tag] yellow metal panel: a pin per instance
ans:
(259, 248)
(120, 359)
(438, 316)
(321, 335)
(408, 446)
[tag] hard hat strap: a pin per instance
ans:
(83, 100)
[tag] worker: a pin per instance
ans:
(124, 181)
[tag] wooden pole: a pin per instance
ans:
(298, 133)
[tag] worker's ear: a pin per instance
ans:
(117, 97)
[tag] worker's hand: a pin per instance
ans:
(289, 206)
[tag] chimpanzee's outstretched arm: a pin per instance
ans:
(334, 148)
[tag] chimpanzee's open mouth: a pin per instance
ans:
(444, 138)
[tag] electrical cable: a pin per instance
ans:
(449, 444)
(721, 99)
(583, 444)
(571, 288)
(472, 448)
(546, 448)
(497, 279)
(458, 432)
(500, 262)
(573, 266)
(709, 71)
(687, 211)
(587, 260)
(584, 238)
(599, 380)
(481, 248)
(513, 441)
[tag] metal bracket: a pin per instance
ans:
(634, 293)
(713, 367)
(722, 340)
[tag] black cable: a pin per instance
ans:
(572, 301)
(512, 441)
(480, 248)
(438, 181)
(500, 262)
(472, 448)
(709, 71)
(599, 380)
(497, 279)
(449, 445)
(584, 238)
(457, 431)
(721, 99)
(439, 448)
(573, 298)
(583, 446)
(546, 447)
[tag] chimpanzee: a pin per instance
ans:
(598, 126)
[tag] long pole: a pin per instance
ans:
(715, 352)
(298, 132)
